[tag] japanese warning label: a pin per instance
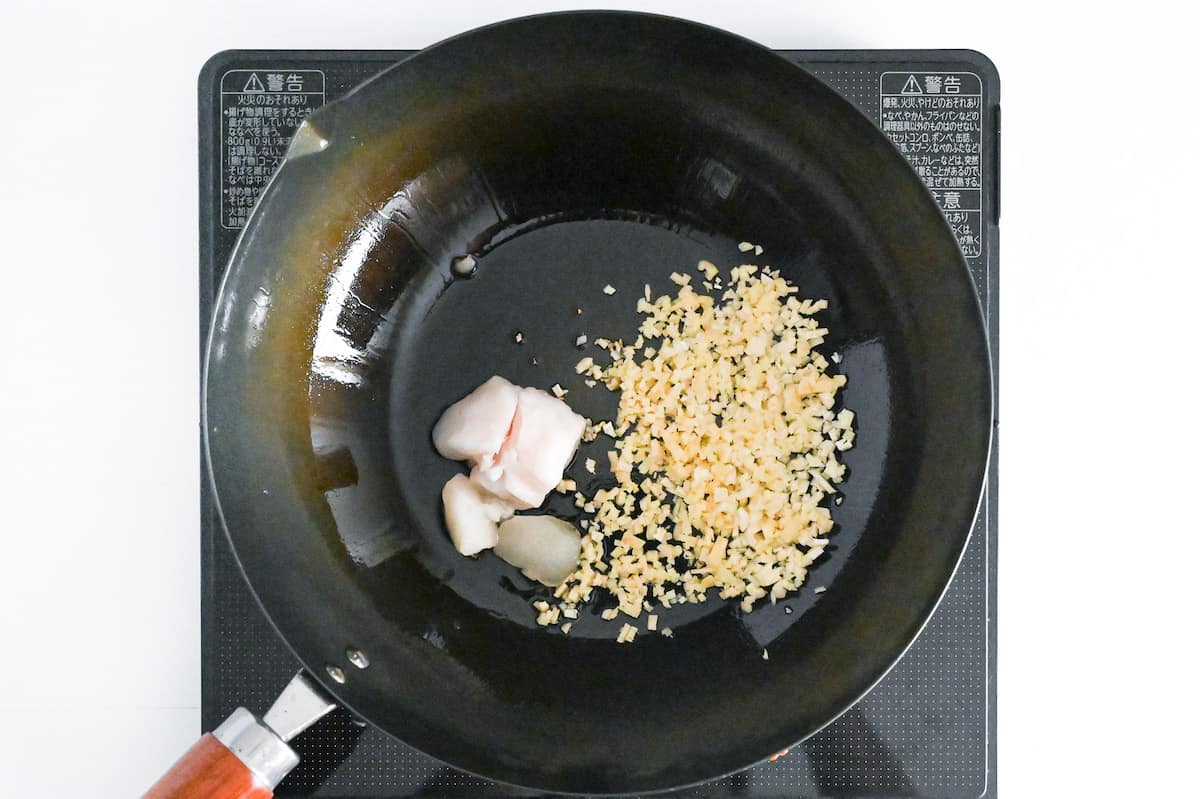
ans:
(936, 120)
(260, 110)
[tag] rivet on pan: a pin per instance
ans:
(463, 266)
(357, 657)
(336, 673)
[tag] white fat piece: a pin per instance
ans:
(472, 515)
(475, 428)
(544, 548)
(541, 442)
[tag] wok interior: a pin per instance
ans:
(343, 333)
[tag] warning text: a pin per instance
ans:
(936, 120)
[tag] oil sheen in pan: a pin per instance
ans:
(547, 280)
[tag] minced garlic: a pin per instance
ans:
(726, 443)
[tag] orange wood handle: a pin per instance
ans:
(208, 771)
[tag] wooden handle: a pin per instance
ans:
(208, 771)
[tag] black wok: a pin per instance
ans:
(563, 153)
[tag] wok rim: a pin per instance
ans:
(978, 478)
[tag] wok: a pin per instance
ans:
(495, 183)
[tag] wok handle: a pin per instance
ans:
(243, 758)
(246, 757)
(209, 770)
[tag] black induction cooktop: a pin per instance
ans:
(928, 729)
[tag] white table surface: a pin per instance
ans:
(99, 575)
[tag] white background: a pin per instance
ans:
(99, 573)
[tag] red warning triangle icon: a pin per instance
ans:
(254, 84)
(911, 86)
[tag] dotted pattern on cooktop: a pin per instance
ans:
(925, 730)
